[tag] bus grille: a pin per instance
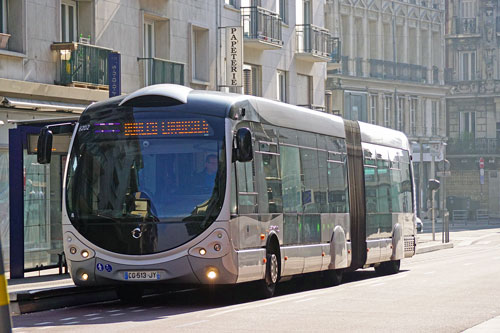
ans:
(409, 245)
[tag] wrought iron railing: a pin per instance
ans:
(397, 71)
(344, 61)
(161, 71)
(473, 146)
(359, 66)
(261, 24)
(465, 26)
(314, 40)
(435, 75)
(82, 63)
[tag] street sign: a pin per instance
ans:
(114, 74)
(481, 163)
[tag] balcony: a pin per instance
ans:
(465, 26)
(314, 44)
(390, 70)
(82, 65)
(473, 146)
(156, 71)
(261, 28)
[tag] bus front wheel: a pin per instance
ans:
(268, 285)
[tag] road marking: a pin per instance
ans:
(44, 323)
(111, 311)
(191, 324)
(72, 322)
(138, 310)
(117, 314)
(305, 300)
(483, 242)
(90, 315)
(95, 318)
(133, 307)
(66, 319)
(429, 273)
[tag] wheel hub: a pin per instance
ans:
(274, 268)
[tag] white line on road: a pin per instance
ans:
(138, 310)
(305, 300)
(468, 264)
(191, 324)
(72, 322)
(90, 315)
(95, 318)
(66, 319)
(112, 311)
(483, 242)
(44, 323)
(117, 314)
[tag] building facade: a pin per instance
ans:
(54, 62)
(473, 106)
(392, 74)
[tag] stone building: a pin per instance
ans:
(473, 106)
(392, 73)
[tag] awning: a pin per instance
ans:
(40, 105)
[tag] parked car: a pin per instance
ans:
(419, 224)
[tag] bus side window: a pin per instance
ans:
(247, 196)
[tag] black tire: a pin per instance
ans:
(267, 287)
(388, 267)
(332, 277)
(130, 294)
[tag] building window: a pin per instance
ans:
(467, 125)
(467, 65)
(252, 79)
(200, 54)
(281, 81)
(399, 113)
(283, 10)
(3, 16)
(149, 39)
(387, 110)
(373, 109)
(467, 9)
(304, 90)
(68, 21)
(230, 2)
(435, 118)
(413, 115)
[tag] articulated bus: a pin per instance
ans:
(173, 185)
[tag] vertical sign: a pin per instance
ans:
(234, 56)
(481, 171)
(114, 74)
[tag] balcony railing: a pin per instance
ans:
(82, 64)
(397, 71)
(359, 66)
(315, 41)
(161, 71)
(473, 146)
(464, 26)
(344, 60)
(262, 25)
(435, 75)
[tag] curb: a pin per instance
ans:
(46, 299)
(432, 248)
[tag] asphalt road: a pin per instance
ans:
(444, 291)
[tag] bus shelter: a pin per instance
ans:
(35, 197)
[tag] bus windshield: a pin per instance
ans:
(143, 181)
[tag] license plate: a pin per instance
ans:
(142, 275)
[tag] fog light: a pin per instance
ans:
(85, 276)
(72, 250)
(203, 251)
(211, 274)
(217, 247)
(85, 253)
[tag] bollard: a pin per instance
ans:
(5, 320)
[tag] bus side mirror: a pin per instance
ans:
(433, 184)
(44, 146)
(243, 150)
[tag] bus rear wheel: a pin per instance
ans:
(267, 286)
(332, 277)
(388, 267)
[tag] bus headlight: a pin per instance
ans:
(203, 251)
(85, 276)
(212, 274)
(85, 253)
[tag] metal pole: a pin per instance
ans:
(5, 320)
(433, 216)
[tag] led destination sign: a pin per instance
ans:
(191, 127)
